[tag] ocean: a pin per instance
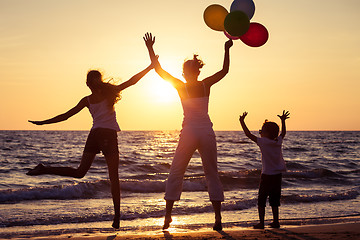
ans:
(322, 181)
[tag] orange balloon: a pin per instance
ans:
(214, 16)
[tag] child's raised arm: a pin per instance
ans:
(283, 117)
(209, 81)
(244, 127)
(62, 117)
(149, 41)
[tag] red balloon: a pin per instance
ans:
(256, 36)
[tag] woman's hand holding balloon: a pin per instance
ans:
(228, 44)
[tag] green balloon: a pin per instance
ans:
(237, 23)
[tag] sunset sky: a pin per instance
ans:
(309, 66)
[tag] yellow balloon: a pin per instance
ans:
(214, 16)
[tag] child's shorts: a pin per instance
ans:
(102, 139)
(270, 185)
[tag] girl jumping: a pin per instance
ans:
(102, 136)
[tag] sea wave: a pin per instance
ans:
(181, 209)
(311, 198)
(155, 183)
(72, 191)
(312, 173)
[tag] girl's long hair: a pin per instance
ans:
(95, 82)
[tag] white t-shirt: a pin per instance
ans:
(271, 155)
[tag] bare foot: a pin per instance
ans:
(217, 226)
(38, 170)
(116, 222)
(167, 222)
(274, 225)
(259, 226)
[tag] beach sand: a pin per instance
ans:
(341, 228)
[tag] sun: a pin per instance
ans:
(161, 91)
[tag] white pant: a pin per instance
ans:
(192, 139)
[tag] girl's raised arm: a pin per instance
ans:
(134, 79)
(149, 41)
(209, 81)
(62, 117)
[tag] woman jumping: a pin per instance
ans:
(197, 132)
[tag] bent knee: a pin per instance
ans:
(80, 174)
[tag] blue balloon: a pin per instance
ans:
(246, 6)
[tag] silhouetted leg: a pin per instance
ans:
(274, 199)
(112, 161)
(208, 152)
(174, 183)
(275, 223)
(168, 219)
(261, 211)
(86, 161)
(184, 151)
(217, 209)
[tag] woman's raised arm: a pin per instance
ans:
(209, 81)
(149, 41)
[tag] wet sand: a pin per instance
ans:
(349, 230)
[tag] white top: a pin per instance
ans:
(196, 112)
(104, 116)
(271, 155)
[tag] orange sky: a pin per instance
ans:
(310, 65)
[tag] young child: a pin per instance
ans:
(103, 134)
(273, 165)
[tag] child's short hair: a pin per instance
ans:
(271, 128)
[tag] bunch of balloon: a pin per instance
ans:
(236, 23)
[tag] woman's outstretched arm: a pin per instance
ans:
(209, 81)
(134, 79)
(149, 41)
(62, 117)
